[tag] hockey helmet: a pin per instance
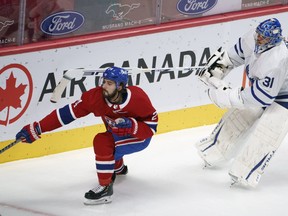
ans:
(116, 74)
(268, 34)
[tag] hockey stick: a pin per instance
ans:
(80, 72)
(9, 146)
(67, 77)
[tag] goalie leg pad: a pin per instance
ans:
(261, 144)
(222, 143)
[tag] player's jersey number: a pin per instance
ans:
(268, 82)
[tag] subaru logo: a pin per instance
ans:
(62, 23)
(194, 7)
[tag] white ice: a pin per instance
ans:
(165, 179)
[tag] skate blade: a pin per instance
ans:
(240, 182)
(104, 200)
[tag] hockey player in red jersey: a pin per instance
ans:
(130, 120)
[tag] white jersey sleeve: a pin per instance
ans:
(241, 52)
(268, 74)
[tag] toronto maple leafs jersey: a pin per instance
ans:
(136, 105)
(267, 72)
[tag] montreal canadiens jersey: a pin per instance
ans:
(267, 72)
(136, 105)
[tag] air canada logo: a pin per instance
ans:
(62, 23)
(119, 11)
(194, 7)
(15, 92)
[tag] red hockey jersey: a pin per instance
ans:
(136, 105)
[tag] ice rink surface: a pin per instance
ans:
(166, 179)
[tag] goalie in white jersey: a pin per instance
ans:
(257, 118)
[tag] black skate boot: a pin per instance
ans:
(122, 171)
(99, 195)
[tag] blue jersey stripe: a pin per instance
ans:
(256, 98)
(240, 46)
(283, 104)
(262, 91)
(239, 50)
(66, 115)
(153, 127)
(282, 97)
(235, 47)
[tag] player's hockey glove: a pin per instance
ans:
(29, 133)
(125, 127)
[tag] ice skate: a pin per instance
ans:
(234, 180)
(99, 195)
(206, 164)
(238, 181)
(122, 171)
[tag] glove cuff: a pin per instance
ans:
(35, 130)
(38, 128)
(236, 99)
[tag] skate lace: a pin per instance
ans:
(98, 189)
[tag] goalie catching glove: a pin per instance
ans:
(125, 127)
(29, 133)
(224, 96)
(218, 66)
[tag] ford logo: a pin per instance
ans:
(194, 7)
(62, 23)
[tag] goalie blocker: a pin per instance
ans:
(262, 140)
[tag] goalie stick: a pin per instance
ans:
(80, 72)
(9, 146)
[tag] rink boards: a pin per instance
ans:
(178, 96)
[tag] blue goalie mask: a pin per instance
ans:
(116, 74)
(268, 34)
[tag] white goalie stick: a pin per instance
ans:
(80, 72)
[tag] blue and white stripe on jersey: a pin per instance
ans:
(238, 49)
(152, 125)
(65, 114)
(282, 100)
(236, 53)
(260, 95)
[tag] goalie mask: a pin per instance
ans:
(268, 34)
(116, 74)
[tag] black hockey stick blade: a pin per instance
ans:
(9, 146)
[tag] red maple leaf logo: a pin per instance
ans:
(10, 97)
